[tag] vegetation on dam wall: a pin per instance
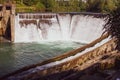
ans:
(65, 5)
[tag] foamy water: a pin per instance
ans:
(53, 27)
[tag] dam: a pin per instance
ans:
(28, 30)
(41, 36)
(38, 27)
(58, 26)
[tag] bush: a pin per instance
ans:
(40, 7)
(113, 26)
(30, 2)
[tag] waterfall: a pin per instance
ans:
(36, 27)
(86, 28)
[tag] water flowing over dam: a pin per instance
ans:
(36, 27)
(67, 31)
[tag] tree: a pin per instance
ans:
(49, 4)
(112, 26)
(109, 5)
(95, 5)
(100, 5)
(70, 6)
(40, 7)
(82, 5)
(117, 2)
(30, 2)
(76, 5)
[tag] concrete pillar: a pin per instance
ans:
(12, 20)
(12, 23)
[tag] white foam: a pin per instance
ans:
(65, 27)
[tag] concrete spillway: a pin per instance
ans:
(34, 27)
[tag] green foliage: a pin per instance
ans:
(100, 5)
(68, 6)
(49, 4)
(94, 5)
(113, 26)
(109, 5)
(40, 7)
(30, 2)
(82, 5)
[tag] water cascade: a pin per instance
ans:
(61, 28)
(35, 27)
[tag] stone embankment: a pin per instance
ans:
(102, 63)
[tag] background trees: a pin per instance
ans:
(94, 6)
(103, 6)
(113, 26)
(29, 2)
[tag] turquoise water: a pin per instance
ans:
(17, 55)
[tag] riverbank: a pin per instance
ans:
(106, 67)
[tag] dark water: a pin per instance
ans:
(15, 56)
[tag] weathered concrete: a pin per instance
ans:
(7, 15)
(12, 23)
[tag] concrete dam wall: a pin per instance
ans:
(36, 27)
(7, 14)
(80, 27)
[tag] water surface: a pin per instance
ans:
(17, 55)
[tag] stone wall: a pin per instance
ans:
(80, 60)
